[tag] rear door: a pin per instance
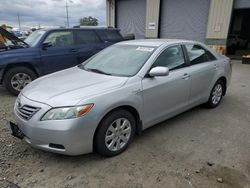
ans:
(203, 70)
(88, 44)
(62, 53)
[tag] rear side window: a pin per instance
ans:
(113, 36)
(198, 54)
(86, 37)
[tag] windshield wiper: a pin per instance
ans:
(98, 71)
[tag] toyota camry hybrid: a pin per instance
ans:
(126, 88)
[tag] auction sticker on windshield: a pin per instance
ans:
(145, 49)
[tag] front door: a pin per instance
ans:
(166, 96)
(62, 52)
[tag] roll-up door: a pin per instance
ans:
(130, 17)
(241, 4)
(184, 19)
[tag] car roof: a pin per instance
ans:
(154, 42)
(79, 28)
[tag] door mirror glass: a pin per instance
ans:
(159, 71)
(47, 45)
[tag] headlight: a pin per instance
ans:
(66, 112)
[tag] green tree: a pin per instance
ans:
(89, 21)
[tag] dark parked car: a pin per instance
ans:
(48, 51)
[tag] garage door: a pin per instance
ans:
(130, 16)
(242, 4)
(184, 19)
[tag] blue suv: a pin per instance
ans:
(47, 51)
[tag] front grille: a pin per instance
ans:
(26, 111)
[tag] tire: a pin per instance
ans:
(15, 79)
(107, 136)
(216, 94)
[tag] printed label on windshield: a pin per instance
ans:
(145, 49)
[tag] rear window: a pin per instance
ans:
(86, 37)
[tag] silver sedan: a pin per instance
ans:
(101, 104)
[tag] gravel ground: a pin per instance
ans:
(199, 148)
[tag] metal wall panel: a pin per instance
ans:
(184, 19)
(130, 16)
(219, 20)
(152, 16)
(241, 4)
(110, 13)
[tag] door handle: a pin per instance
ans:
(185, 76)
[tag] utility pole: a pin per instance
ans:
(19, 23)
(67, 12)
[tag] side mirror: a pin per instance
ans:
(46, 45)
(159, 71)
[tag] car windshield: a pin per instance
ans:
(119, 60)
(34, 38)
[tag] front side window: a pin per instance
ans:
(86, 37)
(198, 54)
(60, 38)
(120, 60)
(172, 58)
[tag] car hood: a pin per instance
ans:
(12, 37)
(70, 87)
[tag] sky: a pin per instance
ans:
(50, 12)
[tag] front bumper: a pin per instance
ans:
(69, 137)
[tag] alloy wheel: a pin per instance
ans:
(20, 80)
(217, 94)
(118, 134)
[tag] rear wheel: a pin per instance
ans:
(115, 133)
(216, 94)
(15, 79)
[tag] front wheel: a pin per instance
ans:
(115, 133)
(216, 94)
(15, 79)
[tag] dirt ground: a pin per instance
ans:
(199, 148)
